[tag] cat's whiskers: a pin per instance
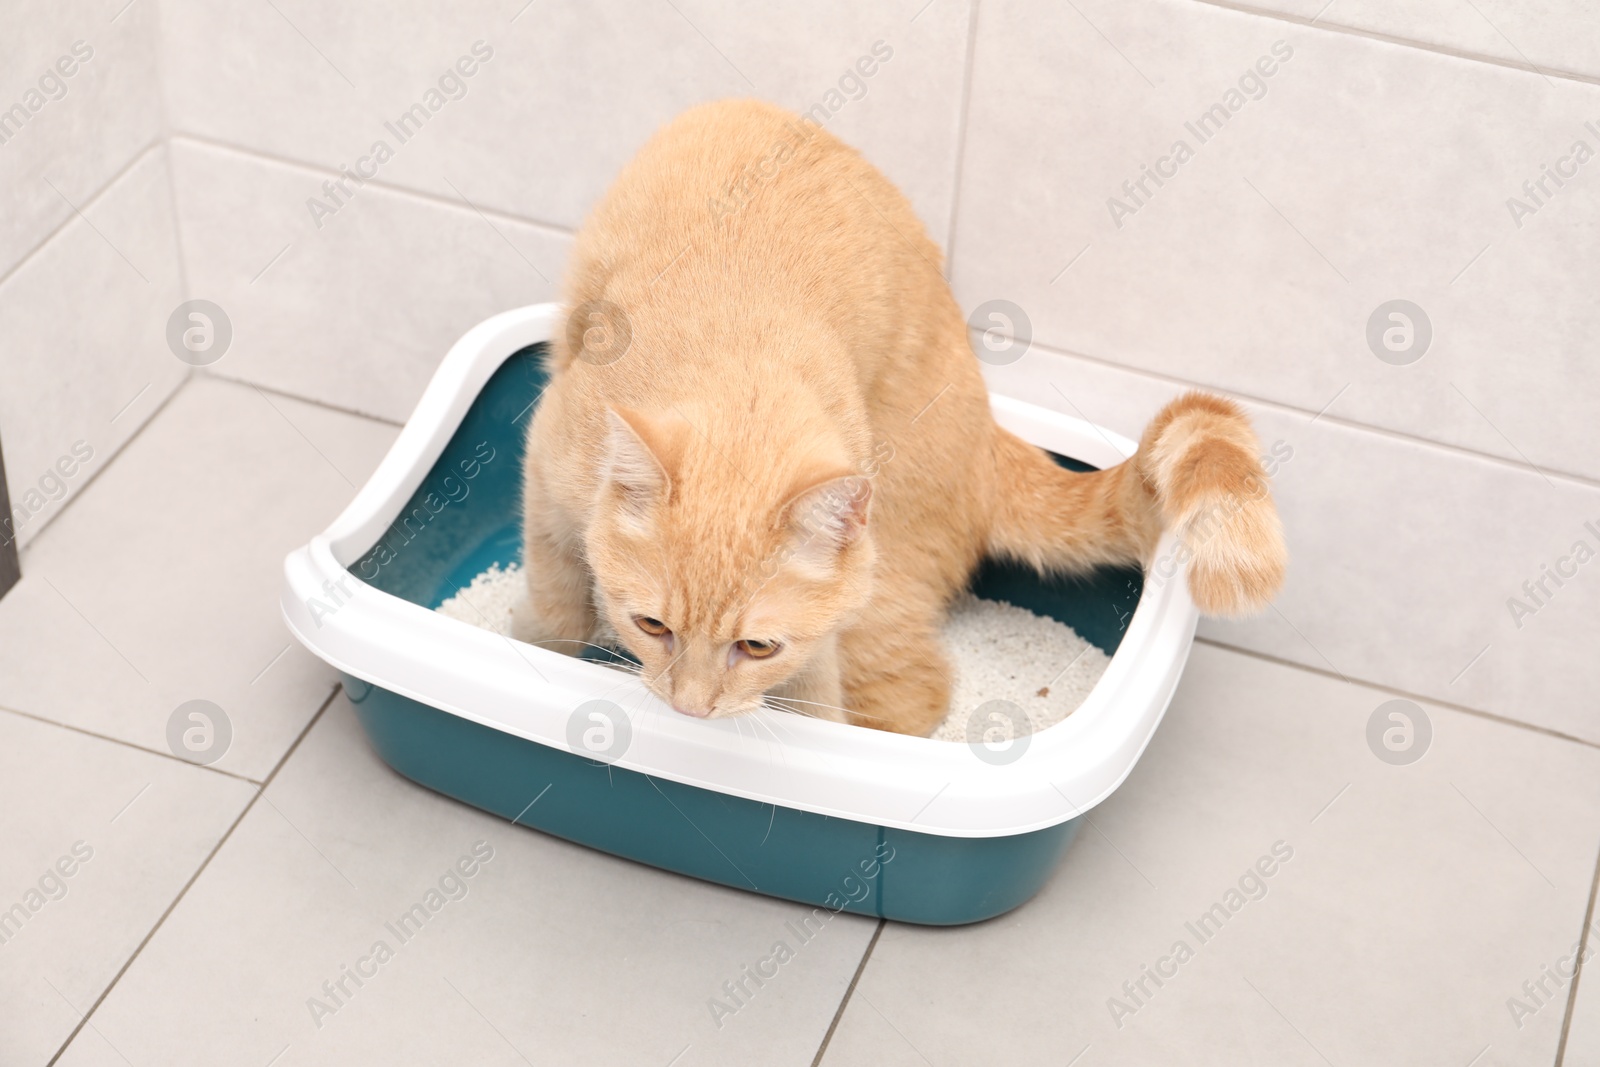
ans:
(756, 717)
(576, 641)
(738, 721)
(771, 703)
(777, 720)
(832, 707)
(758, 723)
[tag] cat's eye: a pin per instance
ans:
(653, 627)
(756, 649)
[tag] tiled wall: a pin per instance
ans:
(89, 268)
(474, 211)
(1550, 36)
(1420, 497)
(1374, 163)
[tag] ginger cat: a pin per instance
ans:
(765, 461)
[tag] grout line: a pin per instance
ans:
(962, 121)
(230, 380)
(83, 487)
(377, 183)
(203, 374)
(223, 840)
(93, 199)
(1405, 42)
(1383, 688)
(295, 427)
(849, 991)
(1572, 991)
(126, 744)
(1399, 435)
(164, 121)
(1582, 480)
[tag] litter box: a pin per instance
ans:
(839, 817)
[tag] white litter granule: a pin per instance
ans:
(1003, 652)
(998, 651)
(488, 601)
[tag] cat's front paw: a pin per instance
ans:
(536, 627)
(525, 623)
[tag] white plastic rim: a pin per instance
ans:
(912, 783)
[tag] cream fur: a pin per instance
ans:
(765, 422)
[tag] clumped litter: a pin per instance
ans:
(999, 652)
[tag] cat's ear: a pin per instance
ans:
(633, 471)
(828, 518)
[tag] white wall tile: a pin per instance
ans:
(85, 357)
(1367, 172)
(1403, 555)
(81, 130)
(359, 312)
(1547, 35)
(571, 92)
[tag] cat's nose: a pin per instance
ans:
(698, 713)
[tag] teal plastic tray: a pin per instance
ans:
(469, 522)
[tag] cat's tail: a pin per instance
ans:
(1196, 472)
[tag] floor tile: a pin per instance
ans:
(541, 128)
(99, 839)
(92, 379)
(1583, 1034)
(1265, 261)
(160, 586)
(1403, 903)
(356, 312)
(552, 953)
(87, 126)
(1407, 562)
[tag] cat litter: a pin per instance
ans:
(1002, 652)
(997, 652)
(849, 819)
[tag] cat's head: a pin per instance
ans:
(723, 573)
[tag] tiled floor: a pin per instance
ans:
(157, 912)
(1407, 907)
